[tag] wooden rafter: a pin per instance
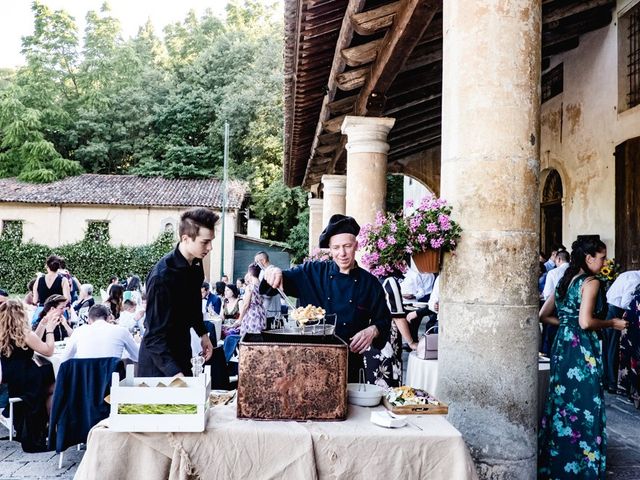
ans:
(373, 21)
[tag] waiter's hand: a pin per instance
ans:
(207, 348)
(362, 340)
(273, 276)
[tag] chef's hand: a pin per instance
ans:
(273, 276)
(207, 348)
(362, 340)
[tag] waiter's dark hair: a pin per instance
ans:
(579, 251)
(192, 220)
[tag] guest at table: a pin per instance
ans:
(240, 283)
(54, 307)
(51, 283)
(211, 303)
(24, 378)
(133, 290)
(430, 311)
(270, 299)
(115, 300)
(572, 437)
(84, 303)
(341, 287)
(628, 375)
(231, 304)
(253, 316)
(131, 317)
(174, 301)
(113, 280)
(620, 298)
(100, 339)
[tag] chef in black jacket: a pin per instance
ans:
(174, 301)
(340, 287)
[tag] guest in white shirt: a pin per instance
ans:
(554, 275)
(130, 317)
(99, 339)
(417, 285)
(619, 298)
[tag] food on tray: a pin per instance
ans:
(156, 409)
(221, 398)
(409, 396)
(178, 382)
(310, 312)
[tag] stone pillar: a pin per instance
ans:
(367, 150)
(490, 163)
(334, 196)
(315, 222)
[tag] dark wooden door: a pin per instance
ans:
(552, 226)
(628, 204)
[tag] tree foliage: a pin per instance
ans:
(100, 103)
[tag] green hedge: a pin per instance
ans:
(91, 260)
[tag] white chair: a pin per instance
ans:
(12, 400)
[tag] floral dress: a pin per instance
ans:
(572, 438)
(384, 367)
(255, 318)
(628, 379)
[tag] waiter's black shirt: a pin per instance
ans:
(174, 305)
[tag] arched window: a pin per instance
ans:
(551, 212)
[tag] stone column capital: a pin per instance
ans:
(334, 184)
(367, 134)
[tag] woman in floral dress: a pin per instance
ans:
(572, 436)
(628, 379)
(253, 316)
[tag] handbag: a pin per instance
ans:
(428, 345)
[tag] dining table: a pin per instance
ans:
(232, 448)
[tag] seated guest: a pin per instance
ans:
(99, 339)
(54, 308)
(115, 299)
(417, 285)
(84, 303)
(211, 303)
(24, 378)
(231, 310)
(130, 317)
(240, 283)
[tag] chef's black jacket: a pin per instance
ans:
(357, 299)
(174, 306)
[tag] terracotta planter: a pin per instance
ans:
(427, 261)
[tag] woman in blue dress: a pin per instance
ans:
(572, 438)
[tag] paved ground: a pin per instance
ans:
(623, 455)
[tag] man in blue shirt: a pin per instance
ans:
(340, 287)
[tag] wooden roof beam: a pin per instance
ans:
(353, 79)
(362, 54)
(373, 21)
(564, 10)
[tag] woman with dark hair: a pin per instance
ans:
(54, 309)
(133, 290)
(115, 299)
(253, 316)
(572, 437)
(51, 283)
(231, 303)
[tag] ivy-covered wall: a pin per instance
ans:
(92, 260)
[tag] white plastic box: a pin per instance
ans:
(128, 391)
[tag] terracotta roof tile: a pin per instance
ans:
(93, 189)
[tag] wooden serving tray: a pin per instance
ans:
(427, 409)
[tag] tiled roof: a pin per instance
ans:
(93, 189)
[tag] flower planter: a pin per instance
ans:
(427, 261)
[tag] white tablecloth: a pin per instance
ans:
(229, 449)
(422, 374)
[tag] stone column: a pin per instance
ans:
(490, 163)
(367, 150)
(315, 222)
(334, 196)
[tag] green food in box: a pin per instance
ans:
(156, 409)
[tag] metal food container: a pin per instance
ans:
(292, 377)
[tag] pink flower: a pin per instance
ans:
(422, 238)
(408, 204)
(391, 240)
(437, 242)
(408, 249)
(381, 244)
(432, 227)
(393, 227)
(379, 219)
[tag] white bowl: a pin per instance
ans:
(364, 398)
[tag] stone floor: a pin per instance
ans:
(623, 455)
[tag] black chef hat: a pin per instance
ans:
(338, 224)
